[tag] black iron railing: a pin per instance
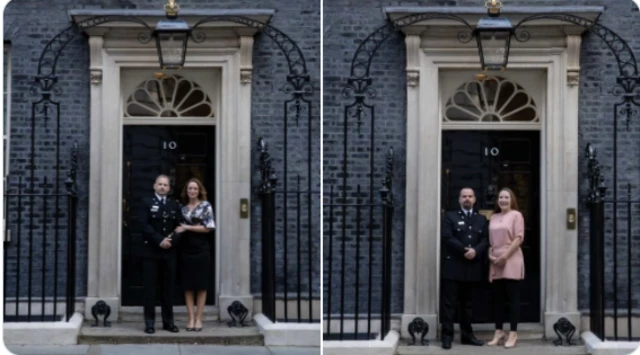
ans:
(611, 228)
(40, 243)
(287, 225)
(368, 261)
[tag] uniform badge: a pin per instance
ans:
(461, 222)
(154, 208)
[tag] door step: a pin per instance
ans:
(485, 331)
(523, 347)
(523, 334)
(180, 315)
(133, 333)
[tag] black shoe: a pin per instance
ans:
(471, 340)
(170, 327)
(446, 343)
(149, 329)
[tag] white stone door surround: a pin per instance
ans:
(227, 49)
(432, 48)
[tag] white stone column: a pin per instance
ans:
(562, 193)
(411, 208)
(422, 211)
(235, 234)
(98, 269)
(110, 159)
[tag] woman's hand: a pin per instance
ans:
(182, 228)
(497, 261)
(500, 261)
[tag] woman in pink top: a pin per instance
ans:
(506, 271)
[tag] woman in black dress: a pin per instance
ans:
(194, 252)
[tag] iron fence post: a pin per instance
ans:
(266, 191)
(595, 199)
(72, 199)
(387, 219)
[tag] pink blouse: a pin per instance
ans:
(504, 228)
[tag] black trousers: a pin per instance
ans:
(159, 274)
(506, 290)
(452, 293)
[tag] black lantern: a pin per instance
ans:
(494, 36)
(171, 38)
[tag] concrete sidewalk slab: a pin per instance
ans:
(222, 350)
(158, 349)
(138, 349)
(294, 351)
(48, 349)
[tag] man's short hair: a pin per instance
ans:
(465, 188)
(162, 176)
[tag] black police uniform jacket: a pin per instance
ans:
(460, 232)
(158, 221)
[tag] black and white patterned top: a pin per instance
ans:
(202, 214)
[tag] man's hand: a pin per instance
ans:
(166, 243)
(470, 254)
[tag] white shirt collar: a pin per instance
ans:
(160, 198)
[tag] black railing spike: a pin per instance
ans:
(597, 187)
(70, 182)
(268, 176)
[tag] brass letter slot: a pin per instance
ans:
(244, 208)
(571, 219)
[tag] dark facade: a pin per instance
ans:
(28, 27)
(348, 23)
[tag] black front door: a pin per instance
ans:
(182, 152)
(488, 161)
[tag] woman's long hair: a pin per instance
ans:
(202, 192)
(514, 202)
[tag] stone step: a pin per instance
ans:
(485, 331)
(523, 334)
(523, 347)
(133, 333)
(135, 314)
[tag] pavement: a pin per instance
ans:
(523, 347)
(156, 349)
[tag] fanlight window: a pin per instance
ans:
(171, 96)
(494, 99)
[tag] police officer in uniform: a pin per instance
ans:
(159, 217)
(464, 242)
